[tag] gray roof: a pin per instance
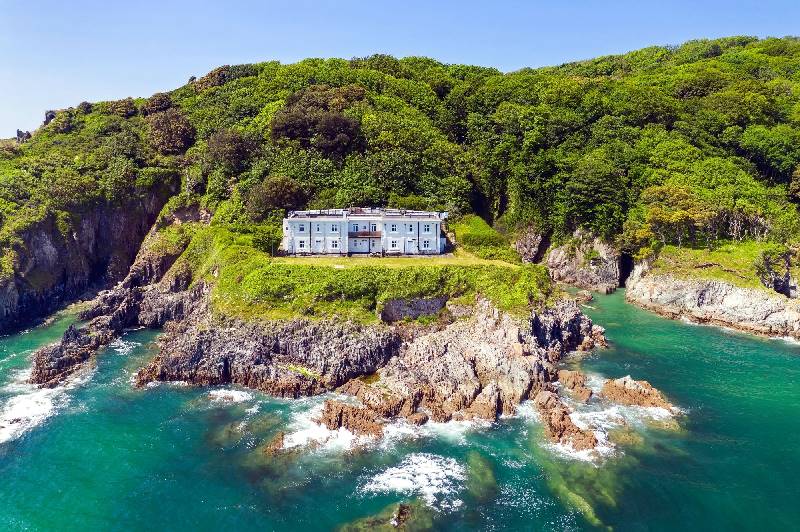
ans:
(366, 211)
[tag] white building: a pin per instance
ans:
(363, 230)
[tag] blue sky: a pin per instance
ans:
(56, 54)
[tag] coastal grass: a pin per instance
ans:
(250, 284)
(732, 262)
(478, 238)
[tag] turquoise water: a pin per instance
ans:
(102, 454)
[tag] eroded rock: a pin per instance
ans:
(630, 392)
(558, 426)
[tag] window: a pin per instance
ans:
(334, 228)
(335, 244)
(373, 227)
(302, 244)
(301, 228)
(426, 228)
(410, 228)
(426, 244)
(394, 228)
(319, 228)
(394, 244)
(355, 227)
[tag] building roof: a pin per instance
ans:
(366, 211)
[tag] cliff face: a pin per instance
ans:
(715, 302)
(55, 268)
(587, 263)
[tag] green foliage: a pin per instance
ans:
(480, 239)
(693, 145)
(170, 131)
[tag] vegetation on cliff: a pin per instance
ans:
(694, 145)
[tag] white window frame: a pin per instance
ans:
(426, 228)
(411, 228)
(319, 228)
(426, 244)
(334, 228)
(355, 227)
(393, 244)
(301, 244)
(373, 227)
(335, 244)
(393, 228)
(301, 228)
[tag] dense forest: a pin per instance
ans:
(686, 145)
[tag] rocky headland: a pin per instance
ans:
(715, 302)
(586, 262)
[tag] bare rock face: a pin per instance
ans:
(529, 244)
(558, 426)
(585, 262)
(356, 419)
(399, 309)
(627, 391)
(715, 302)
(575, 381)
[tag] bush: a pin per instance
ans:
(160, 101)
(230, 150)
(170, 132)
(125, 108)
(479, 238)
(275, 192)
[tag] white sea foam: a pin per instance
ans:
(30, 405)
(124, 347)
(304, 431)
(228, 395)
(436, 479)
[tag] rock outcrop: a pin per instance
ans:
(627, 391)
(53, 268)
(558, 426)
(356, 419)
(576, 382)
(585, 262)
(530, 244)
(715, 302)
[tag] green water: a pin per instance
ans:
(107, 456)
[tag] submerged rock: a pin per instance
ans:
(627, 391)
(410, 517)
(481, 481)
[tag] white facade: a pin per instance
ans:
(363, 231)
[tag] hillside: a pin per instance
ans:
(693, 146)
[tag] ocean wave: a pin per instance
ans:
(228, 395)
(124, 347)
(29, 405)
(438, 480)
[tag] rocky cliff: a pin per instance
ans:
(715, 302)
(586, 262)
(53, 267)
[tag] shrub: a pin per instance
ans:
(275, 192)
(170, 131)
(230, 150)
(125, 108)
(160, 101)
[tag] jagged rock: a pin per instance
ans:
(49, 116)
(627, 391)
(558, 426)
(584, 296)
(23, 136)
(528, 244)
(399, 309)
(586, 262)
(54, 268)
(575, 381)
(714, 302)
(356, 419)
